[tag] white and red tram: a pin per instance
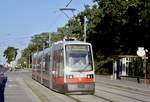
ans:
(66, 67)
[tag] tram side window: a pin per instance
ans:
(47, 62)
(38, 64)
(54, 62)
(57, 60)
(58, 64)
(61, 63)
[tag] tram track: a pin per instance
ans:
(140, 100)
(77, 99)
(98, 97)
(125, 88)
(62, 97)
(104, 98)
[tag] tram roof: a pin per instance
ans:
(60, 42)
(72, 42)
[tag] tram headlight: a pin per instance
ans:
(69, 76)
(90, 76)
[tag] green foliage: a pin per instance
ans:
(103, 65)
(148, 70)
(38, 43)
(117, 27)
(136, 67)
(10, 54)
(114, 27)
(21, 62)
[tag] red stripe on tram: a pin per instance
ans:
(80, 80)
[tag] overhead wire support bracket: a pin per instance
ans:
(67, 9)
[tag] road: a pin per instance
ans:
(21, 88)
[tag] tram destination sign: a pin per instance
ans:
(77, 48)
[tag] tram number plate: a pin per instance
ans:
(80, 85)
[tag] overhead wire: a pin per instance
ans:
(17, 39)
(20, 38)
(14, 38)
(68, 3)
(83, 2)
(54, 22)
(57, 18)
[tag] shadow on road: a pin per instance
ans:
(3, 81)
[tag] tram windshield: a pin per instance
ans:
(78, 58)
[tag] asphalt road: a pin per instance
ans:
(21, 88)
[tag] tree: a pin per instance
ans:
(38, 43)
(10, 54)
(114, 27)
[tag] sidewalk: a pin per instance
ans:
(17, 91)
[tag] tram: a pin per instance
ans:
(65, 67)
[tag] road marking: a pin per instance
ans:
(12, 85)
(10, 80)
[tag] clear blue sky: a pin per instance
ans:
(21, 19)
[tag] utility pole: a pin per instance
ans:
(49, 39)
(29, 60)
(85, 25)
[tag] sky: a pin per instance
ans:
(21, 19)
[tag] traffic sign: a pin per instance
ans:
(141, 52)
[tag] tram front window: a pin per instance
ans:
(78, 58)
